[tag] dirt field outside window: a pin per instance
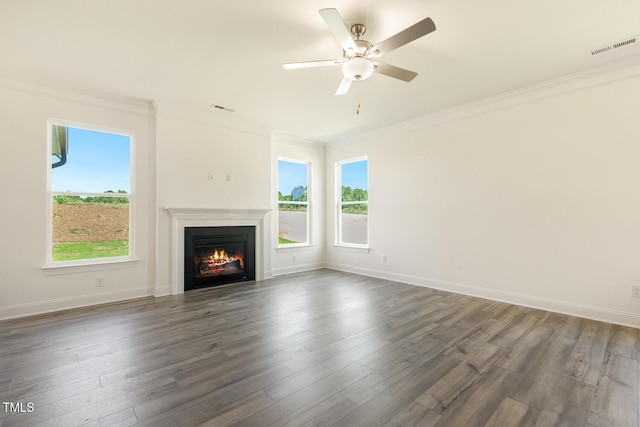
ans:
(90, 223)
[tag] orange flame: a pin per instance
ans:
(220, 257)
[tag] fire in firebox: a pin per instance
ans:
(218, 263)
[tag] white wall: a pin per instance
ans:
(289, 260)
(537, 204)
(25, 288)
(188, 152)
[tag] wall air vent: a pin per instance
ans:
(616, 45)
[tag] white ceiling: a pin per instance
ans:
(187, 55)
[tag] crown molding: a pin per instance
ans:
(78, 94)
(208, 118)
(619, 70)
(283, 138)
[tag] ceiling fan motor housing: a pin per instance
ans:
(358, 30)
(362, 48)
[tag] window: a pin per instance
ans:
(293, 203)
(89, 195)
(353, 202)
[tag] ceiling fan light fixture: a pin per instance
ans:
(358, 68)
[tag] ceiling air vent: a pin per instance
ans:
(616, 45)
(220, 107)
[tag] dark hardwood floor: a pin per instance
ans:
(317, 348)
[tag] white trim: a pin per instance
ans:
(339, 203)
(308, 204)
(298, 268)
(49, 263)
(204, 217)
(99, 264)
(352, 248)
(283, 138)
(49, 202)
(556, 306)
(295, 248)
(81, 95)
(30, 309)
(623, 69)
(217, 118)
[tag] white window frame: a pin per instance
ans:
(307, 243)
(340, 204)
(49, 263)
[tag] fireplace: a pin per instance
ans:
(183, 218)
(218, 255)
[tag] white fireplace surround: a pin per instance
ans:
(204, 217)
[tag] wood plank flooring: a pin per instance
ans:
(317, 348)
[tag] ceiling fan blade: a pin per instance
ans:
(393, 71)
(338, 28)
(345, 84)
(312, 64)
(405, 36)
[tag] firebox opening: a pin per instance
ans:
(218, 255)
(218, 261)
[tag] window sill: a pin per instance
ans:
(72, 268)
(291, 248)
(359, 249)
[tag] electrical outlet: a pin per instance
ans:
(293, 258)
(99, 282)
(635, 291)
(210, 176)
(384, 258)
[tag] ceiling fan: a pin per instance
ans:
(359, 57)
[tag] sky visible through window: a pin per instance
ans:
(291, 175)
(96, 162)
(354, 175)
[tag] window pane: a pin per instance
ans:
(293, 218)
(292, 181)
(354, 181)
(354, 223)
(353, 206)
(292, 223)
(95, 162)
(87, 227)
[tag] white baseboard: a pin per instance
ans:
(588, 312)
(298, 268)
(562, 307)
(40, 307)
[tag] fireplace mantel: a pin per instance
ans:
(207, 217)
(218, 213)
